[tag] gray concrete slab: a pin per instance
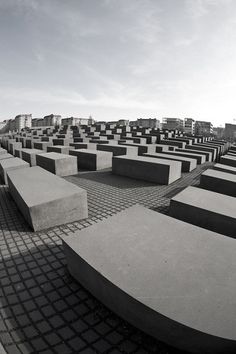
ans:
(201, 158)
(218, 181)
(225, 168)
(29, 155)
(188, 164)
(46, 200)
(198, 158)
(207, 209)
(118, 150)
(201, 150)
(6, 156)
(146, 168)
(42, 145)
(172, 280)
(61, 149)
(7, 165)
(57, 163)
(91, 159)
(228, 160)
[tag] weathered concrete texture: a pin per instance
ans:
(29, 155)
(61, 149)
(207, 209)
(118, 150)
(173, 280)
(188, 164)
(146, 168)
(219, 181)
(42, 145)
(59, 164)
(46, 200)
(225, 168)
(93, 160)
(201, 150)
(228, 160)
(7, 165)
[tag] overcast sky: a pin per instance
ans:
(118, 59)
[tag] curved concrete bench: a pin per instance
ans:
(46, 200)
(173, 280)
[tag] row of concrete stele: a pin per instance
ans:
(131, 160)
(168, 277)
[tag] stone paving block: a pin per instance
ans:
(207, 209)
(57, 163)
(46, 200)
(8, 165)
(172, 285)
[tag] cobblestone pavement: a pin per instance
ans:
(43, 309)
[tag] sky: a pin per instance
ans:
(119, 59)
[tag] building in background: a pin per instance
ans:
(148, 123)
(219, 132)
(189, 126)
(75, 121)
(172, 124)
(22, 121)
(203, 128)
(230, 132)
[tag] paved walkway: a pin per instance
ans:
(43, 309)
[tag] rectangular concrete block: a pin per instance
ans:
(228, 160)
(118, 150)
(29, 155)
(6, 156)
(42, 145)
(146, 168)
(188, 164)
(207, 209)
(7, 165)
(61, 149)
(93, 160)
(59, 164)
(46, 200)
(225, 168)
(218, 181)
(198, 150)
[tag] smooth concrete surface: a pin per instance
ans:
(13, 146)
(205, 147)
(172, 280)
(200, 150)
(29, 155)
(42, 145)
(7, 165)
(46, 200)
(207, 209)
(146, 168)
(5, 156)
(142, 148)
(198, 158)
(228, 160)
(3, 151)
(57, 163)
(83, 146)
(61, 149)
(90, 159)
(118, 150)
(218, 181)
(201, 158)
(188, 164)
(225, 168)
